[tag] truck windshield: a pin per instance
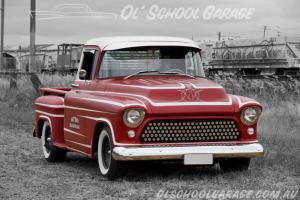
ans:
(172, 60)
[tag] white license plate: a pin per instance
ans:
(198, 159)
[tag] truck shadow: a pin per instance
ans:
(136, 170)
(167, 169)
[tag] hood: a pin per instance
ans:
(173, 94)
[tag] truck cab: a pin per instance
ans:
(146, 98)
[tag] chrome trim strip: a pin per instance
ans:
(177, 152)
(241, 104)
(49, 114)
(84, 81)
(75, 85)
(73, 132)
(89, 110)
(107, 102)
(192, 103)
(49, 105)
(71, 107)
(182, 86)
(206, 87)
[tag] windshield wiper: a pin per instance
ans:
(178, 73)
(141, 72)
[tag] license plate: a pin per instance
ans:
(198, 159)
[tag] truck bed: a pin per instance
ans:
(55, 91)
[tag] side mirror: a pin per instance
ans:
(82, 74)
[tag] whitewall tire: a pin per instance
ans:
(109, 167)
(51, 153)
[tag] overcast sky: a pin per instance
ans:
(278, 15)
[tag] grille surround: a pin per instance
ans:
(179, 131)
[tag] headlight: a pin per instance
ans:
(133, 117)
(250, 115)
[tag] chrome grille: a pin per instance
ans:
(170, 131)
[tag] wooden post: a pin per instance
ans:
(13, 80)
(36, 83)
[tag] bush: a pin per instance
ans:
(268, 91)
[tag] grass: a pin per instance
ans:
(24, 95)
(25, 174)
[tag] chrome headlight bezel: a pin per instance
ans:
(250, 115)
(129, 114)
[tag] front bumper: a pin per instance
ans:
(178, 152)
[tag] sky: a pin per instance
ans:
(77, 21)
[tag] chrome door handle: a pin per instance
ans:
(75, 85)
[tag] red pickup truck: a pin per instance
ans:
(146, 98)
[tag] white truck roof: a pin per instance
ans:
(114, 43)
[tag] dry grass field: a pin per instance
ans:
(25, 174)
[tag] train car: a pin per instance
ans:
(9, 62)
(39, 62)
(68, 57)
(256, 57)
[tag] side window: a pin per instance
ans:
(89, 62)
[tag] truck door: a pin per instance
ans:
(76, 106)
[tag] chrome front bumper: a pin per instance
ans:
(178, 152)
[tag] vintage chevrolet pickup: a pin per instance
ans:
(146, 98)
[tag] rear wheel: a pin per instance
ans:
(51, 153)
(234, 164)
(109, 167)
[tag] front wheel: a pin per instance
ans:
(234, 164)
(109, 167)
(51, 153)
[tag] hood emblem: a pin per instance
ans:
(190, 94)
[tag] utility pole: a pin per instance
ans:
(265, 29)
(32, 64)
(2, 36)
